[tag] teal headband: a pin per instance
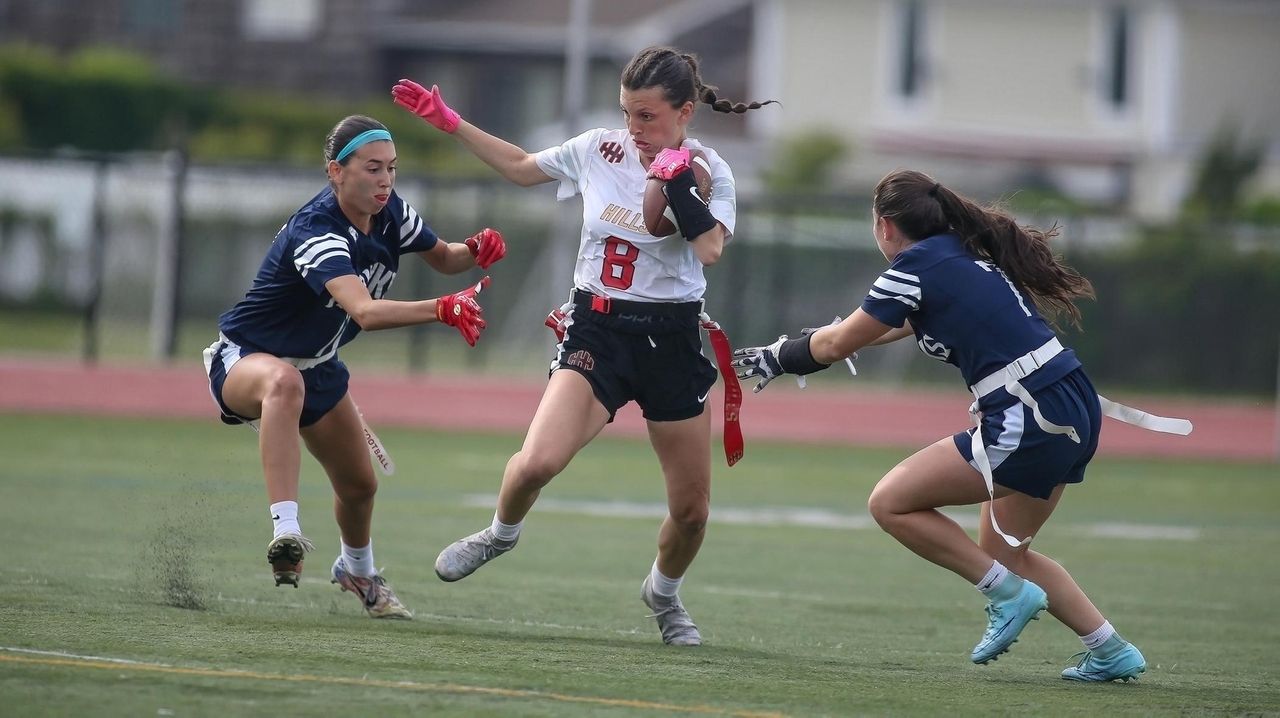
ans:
(360, 140)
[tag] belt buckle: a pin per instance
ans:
(601, 304)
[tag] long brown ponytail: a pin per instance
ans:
(921, 208)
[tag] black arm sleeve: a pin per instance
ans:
(692, 214)
(796, 357)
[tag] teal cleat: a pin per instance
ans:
(1123, 664)
(1006, 617)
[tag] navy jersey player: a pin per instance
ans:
(275, 364)
(970, 285)
(631, 332)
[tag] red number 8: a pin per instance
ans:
(619, 269)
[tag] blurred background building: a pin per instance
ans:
(149, 148)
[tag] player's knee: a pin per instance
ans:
(357, 489)
(285, 387)
(690, 520)
(536, 469)
(881, 505)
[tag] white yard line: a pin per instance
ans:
(820, 518)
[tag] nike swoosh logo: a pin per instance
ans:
(276, 517)
(694, 191)
(703, 398)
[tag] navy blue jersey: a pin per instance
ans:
(288, 312)
(965, 311)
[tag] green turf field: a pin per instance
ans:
(143, 541)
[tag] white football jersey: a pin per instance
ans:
(618, 257)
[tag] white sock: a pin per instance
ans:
(1098, 637)
(663, 586)
(359, 560)
(505, 532)
(995, 576)
(284, 515)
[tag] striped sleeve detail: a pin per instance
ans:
(410, 226)
(896, 285)
(312, 252)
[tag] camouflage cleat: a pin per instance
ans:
(462, 557)
(677, 627)
(285, 554)
(1124, 662)
(374, 593)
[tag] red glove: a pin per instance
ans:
(669, 163)
(462, 311)
(486, 246)
(427, 104)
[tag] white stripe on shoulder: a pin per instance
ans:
(905, 300)
(307, 267)
(325, 249)
(304, 246)
(411, 225)
(888, 285)
(902, 275)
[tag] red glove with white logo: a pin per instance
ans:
(487, 246)
(427, 104)
(461, 310)
(669, 163)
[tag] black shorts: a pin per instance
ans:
(650, 353)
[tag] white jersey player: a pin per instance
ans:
(631, 331)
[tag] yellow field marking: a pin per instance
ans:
(375, 683)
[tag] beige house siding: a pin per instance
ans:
(1011, 84)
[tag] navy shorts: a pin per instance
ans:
(1023, 456)
(325, 384)
(649, 353)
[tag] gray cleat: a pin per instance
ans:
(677, 627)
(462, 557)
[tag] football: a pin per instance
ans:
(658, 219)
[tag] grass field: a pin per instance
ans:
(143, 541)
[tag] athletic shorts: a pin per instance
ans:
(325, 384)
(646, 352)
(1023, 456)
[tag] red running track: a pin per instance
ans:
(862, 417)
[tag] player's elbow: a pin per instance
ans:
(709, 253)
(366, 318)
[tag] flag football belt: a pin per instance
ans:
(734, 446)
(1010, 377)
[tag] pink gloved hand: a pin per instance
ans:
(427, 104)
(669, 163)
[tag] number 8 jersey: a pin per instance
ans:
(617, 256)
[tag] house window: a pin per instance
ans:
(281, 19)
(911, 57)
(1115, 67)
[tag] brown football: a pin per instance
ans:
(656, 218)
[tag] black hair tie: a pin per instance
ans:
(933, 191)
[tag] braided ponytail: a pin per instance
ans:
(677, 74)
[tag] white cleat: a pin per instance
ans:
(462, 557)
(677, 627)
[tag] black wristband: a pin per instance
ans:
(693, 216)
(796, 357)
